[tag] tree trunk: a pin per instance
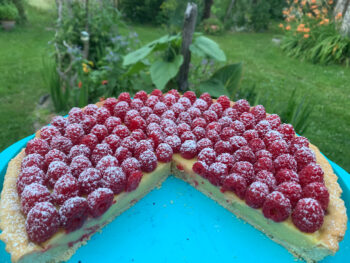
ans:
(207, 8)
(343, 7)
(229, 10)
(21, 11)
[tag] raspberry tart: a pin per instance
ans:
(82, 171)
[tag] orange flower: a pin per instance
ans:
(330, 2)
(306, 30)
(281, 25)
(80, 84)
(303, 3)
(338, 16)
(288, 27)
(104, 82)
(296, 1)
(326, 20)
(300, 28)
(306, 35)
(309, 14)
(313, 6)
(313, 1)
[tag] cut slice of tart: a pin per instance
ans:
(81, 172)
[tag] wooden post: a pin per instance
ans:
(187, 35)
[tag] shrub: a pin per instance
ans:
(312, 33)
(212, 26)
(142, 11)
(8, 12)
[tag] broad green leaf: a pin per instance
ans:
(214, 87)
(163, 71)
(205, 46)
(137, 55)
(136, 68)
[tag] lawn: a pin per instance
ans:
(265, 66)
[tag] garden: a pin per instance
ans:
(291, 56)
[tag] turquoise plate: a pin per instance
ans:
(176, 223)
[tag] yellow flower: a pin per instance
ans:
(288, 27)
(91, 63)
(306, 35)
(85, 68)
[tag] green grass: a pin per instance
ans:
(327, 87)
(21, 84)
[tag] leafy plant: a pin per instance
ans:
(8, 12)
(212, 26)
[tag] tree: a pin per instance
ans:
(343, 7)
(21, 12)
(207, 8)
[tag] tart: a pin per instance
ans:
(82, 171)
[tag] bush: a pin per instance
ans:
(142, 11)
(312, 33)
(8, 12)
(212, 26)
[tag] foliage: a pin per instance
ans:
(312, 33)
(212, 26)
(8, 12)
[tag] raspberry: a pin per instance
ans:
(122, 153)
(191, 96)
(88, 123)
(42, 222)
(90, 109)
(133, 181)
(241, 106)
(259, 112)
(152, 101)
(184, 117)
(79, 150)
(287, 131)
(248, 120)
(120, 109)
(138, 135)
(47, 132)
(207, 155)
(105, 162)
(175, 93)
(169, 114)
(177, 108)
(169, 99)
(136, 104)
(79, 164)
(33, 159)
(141, 95)
(199, 122)
(111, 123)
(214, 126)
(188, 135)
(152, 118)
(224, 101)
(263, 153)
(114, 178)
(217, 172)
(286, 175)
(202, 105)
(109, 104)
(39, 146)
(131, 114)
(200, 168)
(131, 165)
(237, 142)
(185, 102)
(304, 156)
(308, 215)
(99, 201)
(204, 143)
(236, 183)
(311, 173)
(222, 147)
(54, 155)
(121, 131)
(217, 108)
(285, 161)
(188, 149)
(213, 136)
(263, 127)
(277, 207)
(73, 213)
(60, 123)
(66, 187)
(158, 93)
(257, 145)
(153, 127)
(231, 113)
(266, 178)
(145, 112)
(75, 115)
(32, 194)
(227, 133)
(271, 136)
(137, 123)
(164, 153)
(244, 154)
(194, 112)
(244, 169)
(168, 131)
(148, 161)
(199, 133)
(113, 141)
(298, 142)
(291, 190)
(263, 163)
(100, 151)
(274, 120)
(278, 148)
(142, 146)
(89, 180)
(256, 194)
(250, 135)
(124, 96)
(238, 126)
(61, 143)
(56, 170)
(74, 132)
(227, 159)
(174, 142)
(225, 122)
(207, 98)
(101, 115)
(90, 140)
(210, 116)
(156, 137)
